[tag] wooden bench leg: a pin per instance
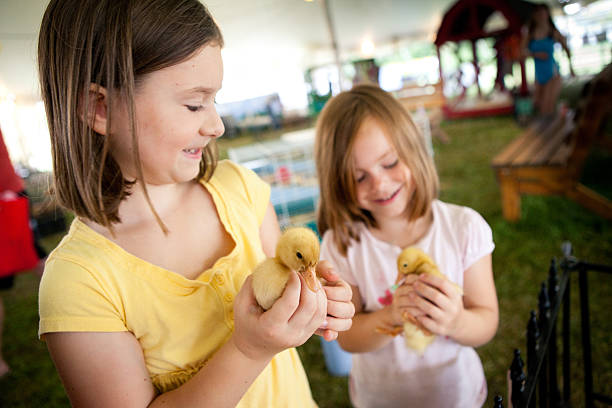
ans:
(591, 200)
(510, 195)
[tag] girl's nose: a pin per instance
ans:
(213, 125)
(377, 181)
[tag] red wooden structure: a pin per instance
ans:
(465, 20)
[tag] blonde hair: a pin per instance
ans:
(113, 45)
(336, 129)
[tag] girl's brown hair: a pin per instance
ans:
(336, 128)
(531, 25)
(111, 44)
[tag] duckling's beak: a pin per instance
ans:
(310, 277)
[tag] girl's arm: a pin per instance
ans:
(563, 41)
(364, 335)
(471, 320)
(525, 43)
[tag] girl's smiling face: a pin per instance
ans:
(383, 182)
(175, 119)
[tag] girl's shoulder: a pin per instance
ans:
(231, 175)
(463, 227)
(81, 241)
(236, 182)
(457, 217)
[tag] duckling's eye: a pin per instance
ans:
(299, 255)
(405, 265)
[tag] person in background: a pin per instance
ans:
(538, 42)
(148, 300)
(379, 191)
(12, 185)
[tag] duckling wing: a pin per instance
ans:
(269, 280)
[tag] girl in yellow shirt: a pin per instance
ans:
(148, 299)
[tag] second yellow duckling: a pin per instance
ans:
(297, 250)
(414, 261)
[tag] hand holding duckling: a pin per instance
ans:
(425, 299)
(297, 250)
(297, 313)
(290, 322)
(340, 308)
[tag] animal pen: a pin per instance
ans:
(539, 384)
(288, 166)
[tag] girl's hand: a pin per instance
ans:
(439, 302)
(401, 303)
(340, 309)
(292, 320)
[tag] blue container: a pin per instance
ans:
(337, 361)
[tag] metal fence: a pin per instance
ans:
(538, 385)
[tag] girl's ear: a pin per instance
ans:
(97, 108)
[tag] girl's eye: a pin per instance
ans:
(392, 165)
(361, 178)
(193, 108)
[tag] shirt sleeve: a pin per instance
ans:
(478, 238)
(330, 253)
(72, 299)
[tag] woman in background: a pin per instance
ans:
(538, 42)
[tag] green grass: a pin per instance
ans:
(520, 262)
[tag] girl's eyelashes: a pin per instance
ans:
(363, 176)
(194, 108)
(390, 166)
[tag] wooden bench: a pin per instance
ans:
(548, 158)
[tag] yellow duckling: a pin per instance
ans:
(414, 261)
(297, 250)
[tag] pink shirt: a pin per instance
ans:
(448, 374)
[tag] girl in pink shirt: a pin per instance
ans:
(379, 191)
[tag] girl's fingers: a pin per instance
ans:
(413, 311)
(342, 310)
(429, 323)
(287, 304)
(411, 278)
(245, 300)
(336, 324)
(341, 291)
(312, 308)
(433, 295)
(326, 271)
(328, 335)
(424, 305)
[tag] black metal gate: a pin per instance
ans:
(539, 385)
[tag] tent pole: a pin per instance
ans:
(476, 67)
(332, 34)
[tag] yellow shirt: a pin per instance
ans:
(92, 284)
